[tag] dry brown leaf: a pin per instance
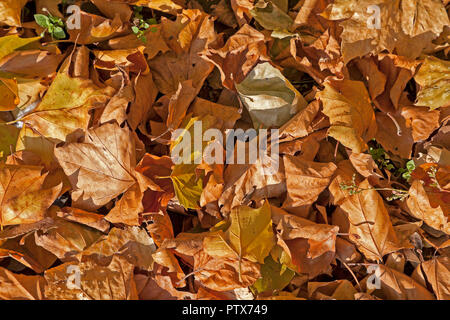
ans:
(189, 35)
(241, 53)
(398, 286)
(348, 106)
(437, 272)
(107, 172)
(420, 208)
(20, 287)
(305, 180)
(370, 225)
(115, 281)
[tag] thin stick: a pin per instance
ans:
(399, 130)
(189, 274)
(353, 275)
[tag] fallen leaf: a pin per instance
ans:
(20, 287)
(370, 225)
(433, 78)
(65, 107)
(348, 106)
(22, 196)
(115, 281)
(249, 235)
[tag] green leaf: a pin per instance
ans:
(135, 29)
(274, 276)
(42, 20)
(410, 165)
(59, 33)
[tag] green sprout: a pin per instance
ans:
(141, 25)
(406, 172)
(54, 25)
(381, 158)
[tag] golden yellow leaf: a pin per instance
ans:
(434, 80)
(249, 235)
(65, 107)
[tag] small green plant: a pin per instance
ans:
(141, 25)
(54, 25)
(353, 188)
(407, 171)
(382, 159)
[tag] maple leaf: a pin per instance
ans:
(110, 163)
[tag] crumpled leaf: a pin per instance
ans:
(65, 239)
(132, 243)
(305, 180)
(437, 272)
(226, 273)
(398, 286)
(269, 97)
(433, 78)
(304, 246)
(420, 208)
(270, 16)
(20, 287)
(241, 53)
(191, 33)
(336, 290)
